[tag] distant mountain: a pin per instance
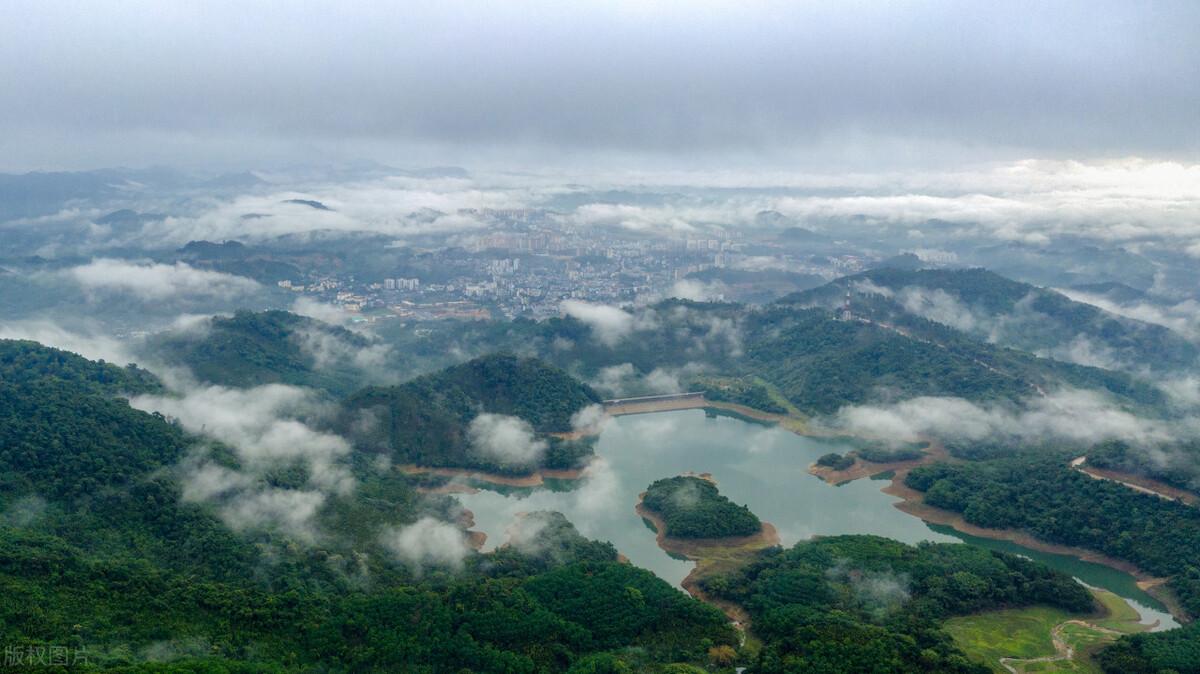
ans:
(1112, 290)
(316, 205)
(238, 181)
(808, 356)
(998, 310)
(908, 261)
(757, 286)
(207, 250)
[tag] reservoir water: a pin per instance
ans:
(764, 467)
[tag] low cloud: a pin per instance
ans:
(686, 496)
(427, 543)
(90, 344)
(155, 281)
(1072, 415)
(1182, 317)
(321, 311)
(331, 351)
(609, 324)
(505, 438)
(590, 419)
(265, 427)
(939, 306)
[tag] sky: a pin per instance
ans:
(585, 83)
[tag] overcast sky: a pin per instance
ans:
(516, 84)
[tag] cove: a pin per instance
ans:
(760, 465)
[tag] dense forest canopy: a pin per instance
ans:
(692, 507)
(986, 305)
(1055, 503)
(430, 420)
(99, 551)
(255, 348)
(864, 603)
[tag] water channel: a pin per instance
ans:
(762, 466)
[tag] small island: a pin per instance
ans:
(692, 507)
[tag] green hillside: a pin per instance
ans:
(426, 420)
(252, 348)
(990, 307)
(101, 555)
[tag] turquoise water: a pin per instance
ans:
(762, 466)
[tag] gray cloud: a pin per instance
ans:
(793, 81)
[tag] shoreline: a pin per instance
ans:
(910, 502)
(535, 479)
(711, 555)
(1145, 485)
(913, 503)
(475, 539)
(866, 469)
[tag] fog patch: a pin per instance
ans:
(505, 438)
(590, 419)
(686, 496)
(93, 345)
(939, 306)
(266, 428)
(1072, 415)
(609, 324)
(151, 281)
(879, 593)
(23, 512)
(427, 543)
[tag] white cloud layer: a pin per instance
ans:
(156, 281)
(427, 543)
(505, 438)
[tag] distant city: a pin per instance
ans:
(527, 263)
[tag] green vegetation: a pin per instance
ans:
(24, 361)
(1175, 650)
(692, 507)
(1013, 314)
(99, 550)
(1009, 633)
(747, 391)
(1055, 503)
(544, 539)
(864, 603)
(878, 453)
(1176, 464)
(271, 347)
(836, 461)
(816, 362)
(1043, 639)
(426, 420)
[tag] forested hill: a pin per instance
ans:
(429, 420)
(869, 604)
(23, 361)
(816, 361)
(101, 555)
(692, 507)
(253, 348)
(990, 307)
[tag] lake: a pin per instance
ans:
(762, 466)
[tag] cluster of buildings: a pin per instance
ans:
(528, 263)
